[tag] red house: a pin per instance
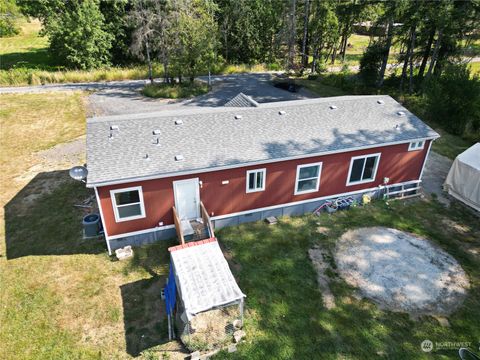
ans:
(233, 165)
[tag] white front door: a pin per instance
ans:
(187, 198)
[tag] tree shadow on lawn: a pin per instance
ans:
(41, 218)
(285, 313)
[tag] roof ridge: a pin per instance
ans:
(186, 110)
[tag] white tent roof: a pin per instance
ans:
(204, 280)
(463, 180)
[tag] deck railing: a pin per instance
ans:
(206, 219)
(178, 226)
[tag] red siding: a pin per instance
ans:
(396, 162)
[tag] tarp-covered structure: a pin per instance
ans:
(209, 301)
(463, 180)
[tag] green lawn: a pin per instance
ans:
(286, 318)
(27, 49)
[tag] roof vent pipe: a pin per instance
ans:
(381, 102)
(156, 132)
(179, 157)
(238, 117)
(333, 107)
(178, 122)
(401, 113)
(282, 112)
(114, 127)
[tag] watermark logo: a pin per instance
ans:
(426, 345)
(429, 346)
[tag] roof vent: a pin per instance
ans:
(238, 117)
(381, 102)
(146, 157)
(179, 157)
(113, 127)
(156, 141)
(282, 112)
(397, 127)
(178, 122)
(333, 107)
(156, 132)
(401, 113)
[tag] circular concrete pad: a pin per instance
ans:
(401, 272)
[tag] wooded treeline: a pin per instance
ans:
(188, 34)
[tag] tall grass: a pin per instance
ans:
(24, 76)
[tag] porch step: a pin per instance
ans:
(200, 231)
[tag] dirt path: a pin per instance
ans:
(434, 175)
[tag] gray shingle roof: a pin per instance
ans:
(213, 137)
(241, 100)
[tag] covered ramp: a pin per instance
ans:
(463, 179)
(209, 306)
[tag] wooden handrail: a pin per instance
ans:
(178, 226)
(206, 219)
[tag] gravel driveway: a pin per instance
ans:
(127, 100)
(123, 97)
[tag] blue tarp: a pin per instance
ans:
(170, 292)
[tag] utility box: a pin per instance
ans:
(91, 225)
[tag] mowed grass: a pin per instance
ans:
(285, 316)
(61, 296)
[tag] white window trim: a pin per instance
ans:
(115, 206)
(319, 164)
(264, 171)
(412, 145)
(374, 170)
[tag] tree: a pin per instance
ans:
(78, 38)
(324, 29)
(152, 20)
(9, 12)
(370, 63)
(197, 37)
(453, 99)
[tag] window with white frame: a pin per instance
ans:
(256, 180)
(128, 203)
(416, 145)
(308, 178)
(363, 169)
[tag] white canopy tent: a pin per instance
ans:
(463, 180)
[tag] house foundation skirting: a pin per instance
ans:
(295, 209)
(141, 239)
